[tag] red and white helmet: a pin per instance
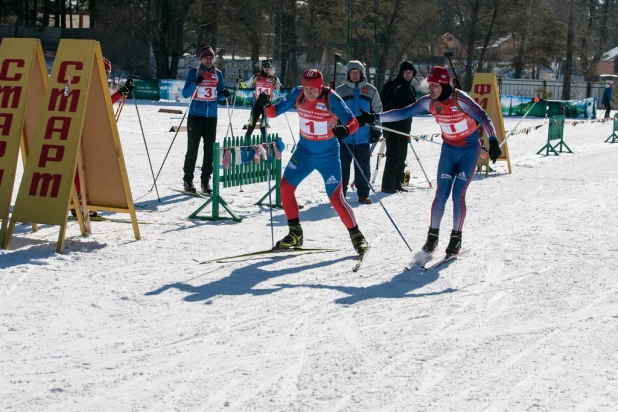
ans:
(107, 65)
(439, 74)
(313, 78)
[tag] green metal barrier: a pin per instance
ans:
(556, 132)
(614, 136)
(242, 174)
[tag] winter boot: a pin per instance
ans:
(294, 239)
(364, 200)
(188, 187)
(206, 189)
(455, 244)
(432, 240)
(358, 241)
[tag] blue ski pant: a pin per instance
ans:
(455, 170)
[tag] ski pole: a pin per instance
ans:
(536, 100)
(291, 132)
(171, 144)
(119, 108)
(270, 201)
(145, 144)
(337, 57)
(233, 104)
(229, 115)
(404, 134)
(374, 192)
(419, 162)
(380, 156)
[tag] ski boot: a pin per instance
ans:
(455, 244)
(293, 240)
(432, 240)
(188, 187)
(206, 189)
(358, 241)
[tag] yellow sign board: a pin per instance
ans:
(75, 133)
(23, 80)
(485, 92)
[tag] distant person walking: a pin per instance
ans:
(606, 100)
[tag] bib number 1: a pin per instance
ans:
(313, 128)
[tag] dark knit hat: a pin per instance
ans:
(407, 65)
(267, 63)
(206, 51)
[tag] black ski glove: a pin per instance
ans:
(199, 79)
(263, 100)
(127, 88)
(366, 118)
(494, 150)
(374, 135)
(226, 93)
(341, 131)
(238, 80)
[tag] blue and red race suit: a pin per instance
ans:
(317, 149)
(458, 118)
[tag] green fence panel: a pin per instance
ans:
(555, 133)
(614, 137)
(247, 173)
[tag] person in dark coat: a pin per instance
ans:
(606, 100)
(397, 93)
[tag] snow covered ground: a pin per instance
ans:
(527, 320)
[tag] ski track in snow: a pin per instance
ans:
(527, 320)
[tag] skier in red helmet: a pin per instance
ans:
(459, 117)
(319, 110)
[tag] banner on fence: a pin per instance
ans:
(518, 106)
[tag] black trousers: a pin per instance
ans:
(608, 108)
(199, 128)
(396, 154)
(256, 113)
(362, 154)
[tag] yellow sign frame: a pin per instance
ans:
(23, 81)
(75, 134)
(486, 93)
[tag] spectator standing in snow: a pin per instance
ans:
(358, 94)
(205, 83)
(606, 100)
(396, 94)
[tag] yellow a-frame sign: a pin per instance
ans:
(485, 92)
(75, 133)
(23, 80)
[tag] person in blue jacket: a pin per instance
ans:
(357, 94)
(606, 100)
(204, 83)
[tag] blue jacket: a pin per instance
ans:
(607, 95)
(358, 96)
(201, 107)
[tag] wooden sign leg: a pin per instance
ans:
(9, 234)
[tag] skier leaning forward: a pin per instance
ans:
(319, 108)
(459, 118)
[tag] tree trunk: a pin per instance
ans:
(471, 44)
(568, 67)
(93, 12)
(521, 55)
(390, 29)
(288, 43)
(488, 36)
(313, 47)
